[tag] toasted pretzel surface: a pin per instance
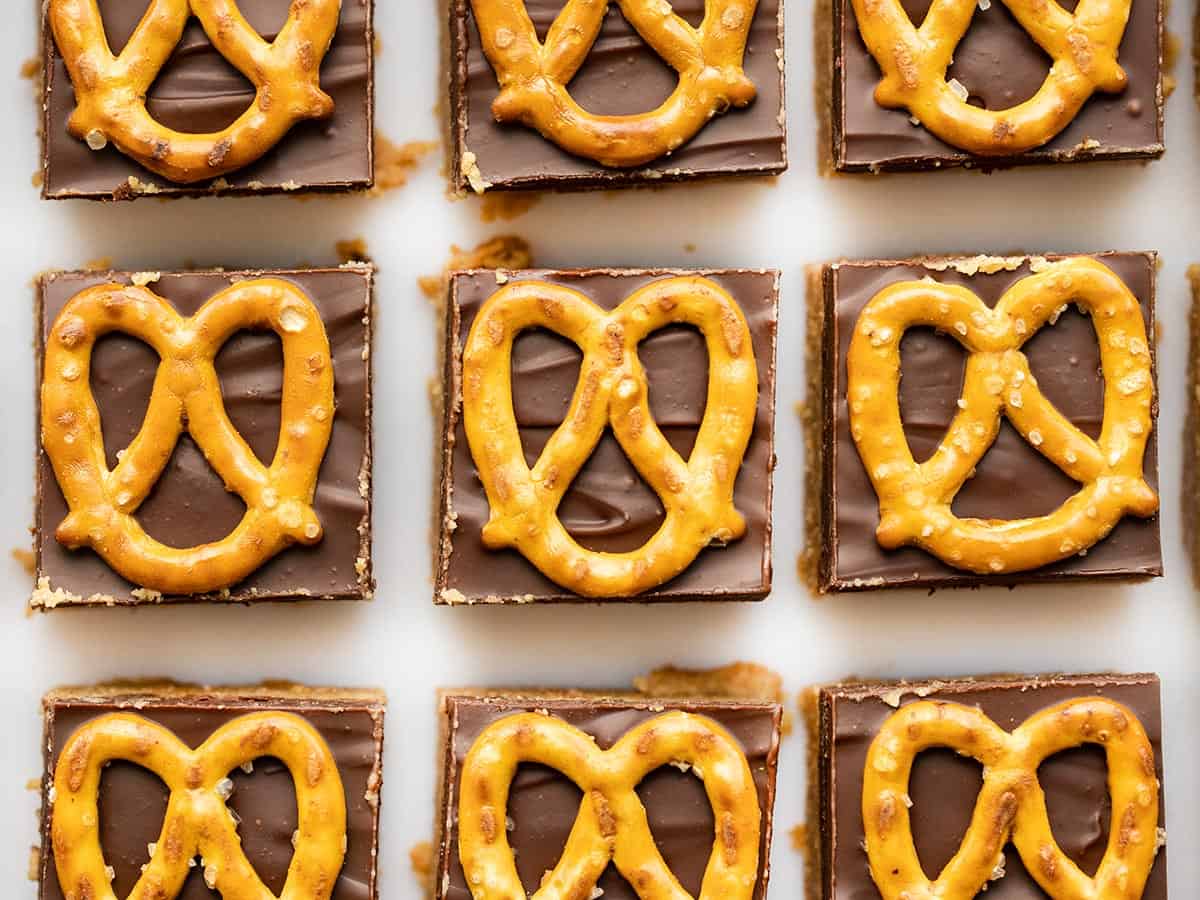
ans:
(915, 499)
(534, 76)
(697, 495)
(611, 824)
(110, 91)
(1082, 46)
(1011, 804)
(197, 822)
(187, 396)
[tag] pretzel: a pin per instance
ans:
(110, 91)
(197, 822)
(534, 76)
(915, 500)
(187, 396)
(1011, 804)
(611, 825)
(697, 495)
(1083, 47)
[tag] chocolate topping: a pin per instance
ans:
(133, 800)
(1000, 66)
(609, 507)
(189, 505)
(543, 803)
(944, 785)
(1012, 480)
(622, 75)
(200, 91)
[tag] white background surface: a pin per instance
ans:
(401, 642)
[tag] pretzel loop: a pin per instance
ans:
(915, 499)
(110, 91)
(187, 396)
(197, 821)
(612, 823)
(1083, 47)
(534, 76)
(1011, 804)
(697, 495)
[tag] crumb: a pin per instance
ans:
(506, 252)
(141, 279)
(37, 179)
(799, 835)
(689, 247)
(31, 67)
(99, 264)
(507, 206)
(35, 864)
(395, 162)
(354, 250)
(1158, 332)
(420, 857)
(26, 558)
(470, 171)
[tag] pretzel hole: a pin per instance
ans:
(943, 787)
(620, 56)
(198, 90)
(1065, 360)
(132, 805)
(250, 369)
(265, 807)
(1076, 785)
(122, 377)
(932, 367)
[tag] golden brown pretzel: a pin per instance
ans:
(187, 395)
(110, 91)
(1011, 804)
(915, 499)
(534, 76)
(1081, 45)
(697, 495)
(197, 822)
(611, 825)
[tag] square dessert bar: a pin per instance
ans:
(897, 762)
(679, 772)
(319, 134)
(165, 505)
(520, 138)
(957, 410)
(590, 490)
(886, 105)
(278, 776)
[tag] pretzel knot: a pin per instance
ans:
(197, 821)
(915, 500)
(187, 396)
(1083, 47)
(1011, 804)
(697, 495)
(534, 76)
(110, 91)
(612, 823)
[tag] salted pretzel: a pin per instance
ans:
(198, 822)
(611, 825)
(697, 495)
(1082, 45)
(187, 396)
(1011, 804)
(915, 499)
(534, 76)
(110, 91)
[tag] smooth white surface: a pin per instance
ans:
(401, 642)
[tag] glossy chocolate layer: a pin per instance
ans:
(609, 507)
(543, 803)
(944, 785)
(133, 801)
(199, 91)
(1012, 480)
(189, 505)
(622, 75)
(1000, 66)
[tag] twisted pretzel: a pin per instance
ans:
(1011, 805)
(915, 500)
(534, 76)
(110, 91)
(197, 822)
(187, 396)
(612, 389)
(611, 824)
(1082, 45)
